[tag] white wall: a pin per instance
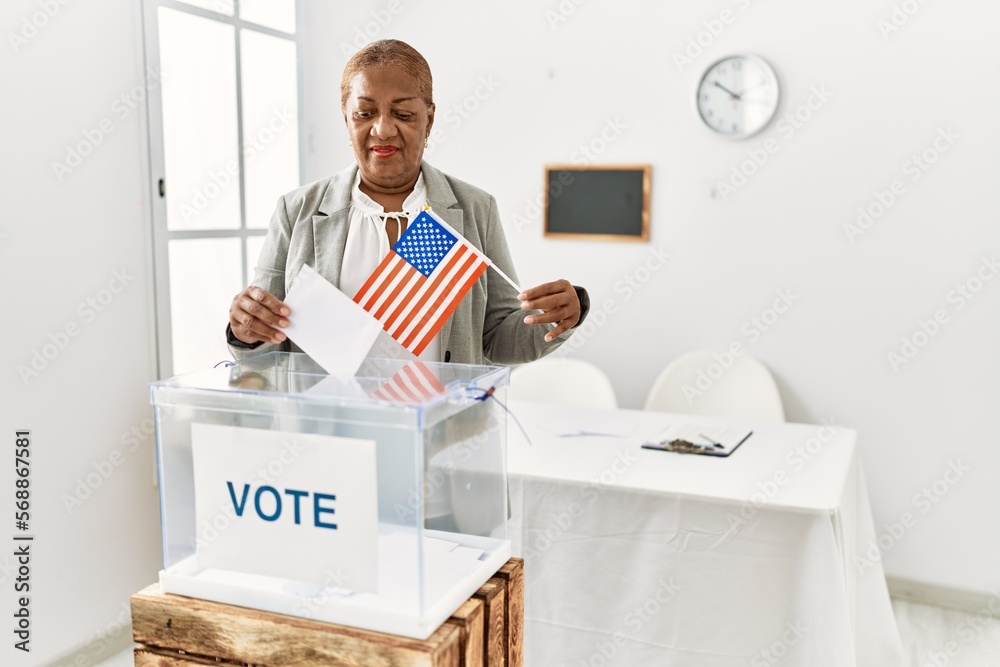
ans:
(61, 242)
(561, 82)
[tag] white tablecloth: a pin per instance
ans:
(639, 557)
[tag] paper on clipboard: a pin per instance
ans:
(729, 437)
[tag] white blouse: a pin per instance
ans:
(367, 243)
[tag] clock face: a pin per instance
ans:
(738, 96)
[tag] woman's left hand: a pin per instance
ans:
(559, 304)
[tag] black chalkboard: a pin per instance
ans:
(609, 202)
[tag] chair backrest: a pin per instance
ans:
(717, 384)
(563, 382)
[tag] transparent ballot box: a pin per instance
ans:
(376, 501)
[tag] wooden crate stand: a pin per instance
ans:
(512, 573)
(494, 597)
(176, 631)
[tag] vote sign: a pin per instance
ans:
(295, 506)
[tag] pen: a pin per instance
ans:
(715, 444)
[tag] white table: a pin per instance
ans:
(640, 557)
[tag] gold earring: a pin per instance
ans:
(426, 142)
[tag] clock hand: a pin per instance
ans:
(734, 95)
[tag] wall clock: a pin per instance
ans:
(737, 96)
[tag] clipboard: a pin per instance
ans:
(702, 441)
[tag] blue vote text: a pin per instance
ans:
(268, 504)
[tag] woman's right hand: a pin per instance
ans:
(255, 314)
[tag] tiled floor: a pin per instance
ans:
(928, 633)
(935, 637)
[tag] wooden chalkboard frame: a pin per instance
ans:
(647, 178)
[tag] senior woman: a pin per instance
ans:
(345, 224)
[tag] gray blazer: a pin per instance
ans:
(309, 226)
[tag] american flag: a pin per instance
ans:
(421, 281)
(413, 383)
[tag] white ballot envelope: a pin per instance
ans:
(336, 332)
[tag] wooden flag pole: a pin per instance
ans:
(427, 208)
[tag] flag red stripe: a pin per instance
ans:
(404, 303)
(399, 305)
(393, 391)
(424, 381)
(425, 314)
(407, 311)
(376, 274)
(451, 308)
(411, 311)
(409, 393)
(406, 378)
(429, 378)
(413, 307)
(409, 271)
(412, 393)
(392, 269)
(413, 382)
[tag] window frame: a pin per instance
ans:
(161, 235)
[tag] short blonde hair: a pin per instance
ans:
(389, 53)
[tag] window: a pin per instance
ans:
(224, 145)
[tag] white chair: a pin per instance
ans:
(562, 382)
(717, 384)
